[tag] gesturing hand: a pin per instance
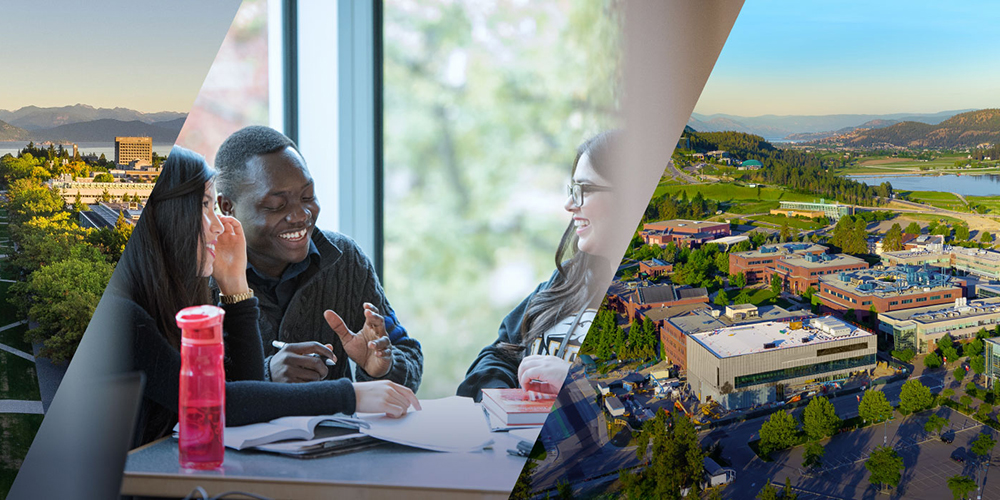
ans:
(383, 396)
(542, 373)
(370, 348)
(230, 268)
(301, 362)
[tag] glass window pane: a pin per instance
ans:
(485, 104)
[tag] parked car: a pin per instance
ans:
(958, 455)
(948, 437)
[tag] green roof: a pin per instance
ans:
(752, 163)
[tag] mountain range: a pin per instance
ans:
(82, 123)
(968, 129)
(36, 118)
(807, 127)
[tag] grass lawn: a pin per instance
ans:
(16, 433)
(17, 378)
(992, 203)
(793, 222)
(14, 337)
(754, 207)
(729, 192)
(8, 313)
(937, 199)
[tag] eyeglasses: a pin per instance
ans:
(577, 190)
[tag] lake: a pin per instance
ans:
(966, 185)
(107, 148)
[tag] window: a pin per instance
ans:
(804, 370)
(484, 106)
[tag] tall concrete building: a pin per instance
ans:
(129, 149)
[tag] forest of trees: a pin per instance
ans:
(62, 267)
(794, 169)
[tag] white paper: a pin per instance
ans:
(452, 424)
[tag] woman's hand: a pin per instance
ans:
(230, 269)
(542, 373)
(383, 396)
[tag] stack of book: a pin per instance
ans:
(516, 408)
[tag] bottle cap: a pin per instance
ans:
(201, 324)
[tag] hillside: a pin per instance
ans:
(785, 127)
(105, 131)
(37, 118)
(962, 130)
(9, 132)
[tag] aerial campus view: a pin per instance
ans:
(798, 332)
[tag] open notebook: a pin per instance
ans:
(452, 424)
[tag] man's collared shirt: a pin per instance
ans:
(282, 289)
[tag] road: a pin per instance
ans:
(587, 459)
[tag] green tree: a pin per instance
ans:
(850, 315)
(961, 232)
(61, 298)
(738, 280)
(722, 298)
(885, 466)
(743, 297)
(676, 460)
(975, 348)
(565, 491)
(808, 294)
(935, 423)
(978, 364)
(874, 407)
(961, 486)
(983, 412)
(778, 432)
(768, 492)
(27, 198)
(787, 493)
(522, 487)
(913, 228)
(813, 456)
(722, 262)
(820, 420)
(914, 397)
(965, 400)
(775, 284)
(982, 445)
(47, 240)
(893, 240)
(104, 177)
(932, 361)
(906, 355)
(958, 373)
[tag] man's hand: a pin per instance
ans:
(370, 348)
(383, 396)
(301, 362)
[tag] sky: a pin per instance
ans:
(791, 57)
(147, 55)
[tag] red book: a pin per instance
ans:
(518, 406)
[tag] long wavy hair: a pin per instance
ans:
(574, 285)
(160, 268)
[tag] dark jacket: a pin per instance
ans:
(343, 281)
(249, 399)
(493, 368)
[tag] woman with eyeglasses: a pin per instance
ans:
(179, 243)
(540, 337)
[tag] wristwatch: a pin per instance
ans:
(239, 297)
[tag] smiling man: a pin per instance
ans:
(318, 292)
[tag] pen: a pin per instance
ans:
(281, 345)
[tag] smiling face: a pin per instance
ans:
(211, 228)
(278, 210)
(591, 218)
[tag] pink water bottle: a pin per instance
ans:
(202, 398)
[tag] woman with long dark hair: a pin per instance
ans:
(542, 334)
(178, 243)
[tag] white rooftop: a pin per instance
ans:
(748, 339)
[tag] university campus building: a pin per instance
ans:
(798, 273)
(685, 233)
(832, 210)
(974, 261)
(887, 290)
(674, 325)
(747, 365)
(758, 265)
(633, 299)
(919, 328)
(130, 149)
